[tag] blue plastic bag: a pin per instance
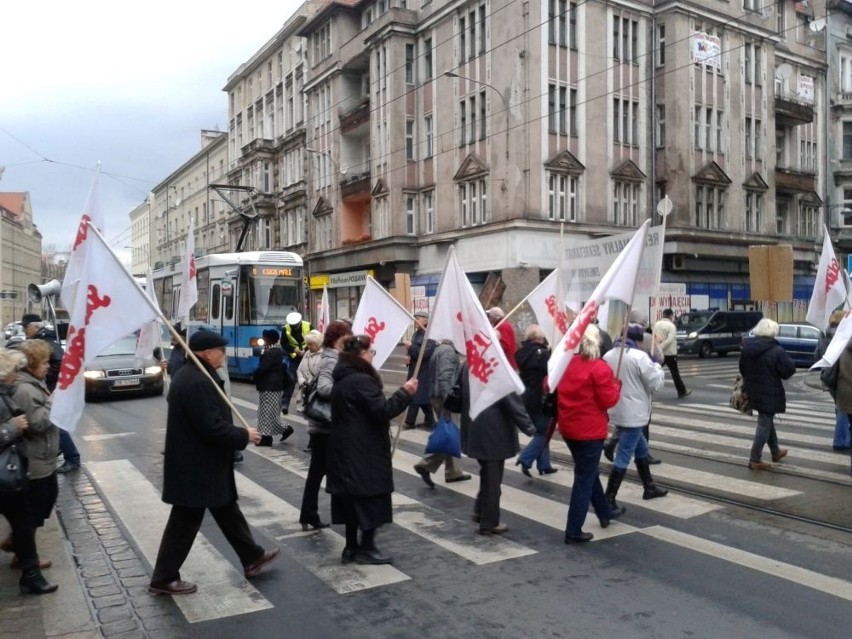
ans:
(445, 439)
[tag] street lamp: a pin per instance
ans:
(453, 74)
(342, 169)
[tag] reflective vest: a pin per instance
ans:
(291, 340)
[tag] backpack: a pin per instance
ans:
(828, 376)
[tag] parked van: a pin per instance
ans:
(703, 333)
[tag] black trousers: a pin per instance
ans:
(487, 504)
(671, 362)
(316, 471)
(182, 528)
(16, 508)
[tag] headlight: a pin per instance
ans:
(153, 370)
(692, 335)
(94, 374)
(256, 342)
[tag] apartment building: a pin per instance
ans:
(837, 24)
(20, 255)
(370, 135)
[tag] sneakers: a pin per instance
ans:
(759, 465)
(68, 467)
(781, 454)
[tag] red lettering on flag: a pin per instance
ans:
(94, 302)
(560, 318)
(832, 274)
(192, 270)
(481, 366)
(576, 334)
(72, 361)
(82, 231)
(373, 328)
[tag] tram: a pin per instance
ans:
(239, 295)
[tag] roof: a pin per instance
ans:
(13, 202)
(324, 11)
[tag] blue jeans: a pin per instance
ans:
(631, 441)
(842, 436)
(68, 449)
(764, 434)
(587, 484)
(538, 450)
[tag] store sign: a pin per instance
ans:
(353, 278)
(806, 89)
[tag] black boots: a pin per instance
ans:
(652, 491)
(288, 430)
(612, 485)
(616, 476)
(33, 583)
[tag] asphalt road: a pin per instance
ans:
(729, 553)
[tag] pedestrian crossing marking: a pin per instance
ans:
(800, 576)
(321, 553)
(679, 506)
(222, 589)
(106, 436)
(450, 533)
(805, 416)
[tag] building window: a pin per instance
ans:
(471, 18)
(409, 64)
(563, 110)
(410, 215)
(754, 212)
(847, 140)
(616, 39)
(462, 39)
(660, 138)
(661, 45)
(709, 206)
(780, 17)
(696, 129)
(625, 200)
(483, 31)
(758, 153)
(561, 21)
(747, 49)
(572, 26)
(473, 202)
(429, 211)
(427, 58)
(625, 122)
(758, 66)
(409, 140)
(322, 42)
(572, 112)
(472, 101)
(551, 108)
(483, 116)
(808, 217)
(463, 123)
(551, 21)
(428, 135)
(748, 137)
(563, 196)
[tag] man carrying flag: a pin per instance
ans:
(829, 291)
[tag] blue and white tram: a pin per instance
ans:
(240, 295)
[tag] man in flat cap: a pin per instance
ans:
(198, 471)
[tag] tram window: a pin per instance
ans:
(228, 304)
(214, 302)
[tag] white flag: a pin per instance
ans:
(459, 317)
(109, 306)
(149, 335)
(829, 292)
(544, 301)
(617, 284)
(189, 281)
(381, 317)
(325, 311)
(73, 270)
(835, 347)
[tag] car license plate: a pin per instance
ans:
(134, 381)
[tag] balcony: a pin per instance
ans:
(355, 186)
(790, 112)
(296, 190)
(256, 147)
(794, 181)
(355, 116)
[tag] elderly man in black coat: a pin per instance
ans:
(198, 471)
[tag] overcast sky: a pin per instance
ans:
(128, 84)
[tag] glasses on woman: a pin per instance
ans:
(372, 351)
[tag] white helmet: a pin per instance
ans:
(294, 318)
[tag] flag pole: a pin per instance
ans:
(172, 330)
(629, 309)
(414, 375)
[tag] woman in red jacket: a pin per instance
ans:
(587, 389)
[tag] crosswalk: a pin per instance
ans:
(686, 428)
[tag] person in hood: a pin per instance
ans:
(532, 359)
(359, 467)
(763, 365)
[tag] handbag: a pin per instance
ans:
(13, 470)
(316, 408)
(829, 377)
(739, 398)
(453, 400)
(445, 439)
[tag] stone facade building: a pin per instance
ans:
(20, 255)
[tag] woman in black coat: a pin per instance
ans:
(763, 364)
(359, 469)
(269, 380)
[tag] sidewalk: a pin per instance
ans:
(102, 582)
